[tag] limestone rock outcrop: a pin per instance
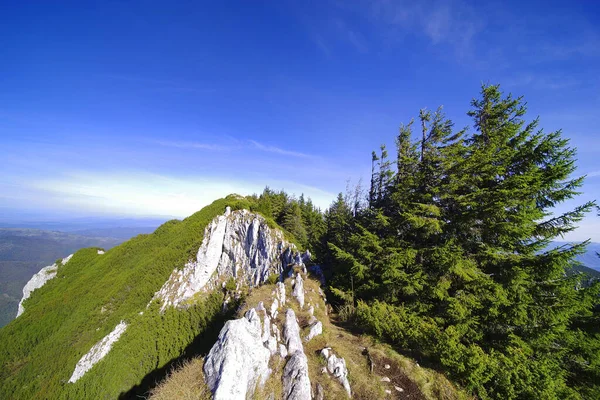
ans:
(237, 244)
(97, 352)
(38, 280)
(239, 360)
(337, 367)
(315, 329)
(298, 291)
(296, 383)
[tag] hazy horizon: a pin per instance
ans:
(142, 110)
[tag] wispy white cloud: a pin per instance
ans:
(142, 193)
(278, 150)
(455, 23)
(192, 145)
(593, 174)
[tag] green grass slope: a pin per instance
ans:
(91, 294)
(23, 252)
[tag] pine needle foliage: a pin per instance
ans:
(448, 260)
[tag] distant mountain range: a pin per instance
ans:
(590, 258)
(121, 228)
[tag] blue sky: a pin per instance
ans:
(144, 108)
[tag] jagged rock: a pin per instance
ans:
(38, 280)
(282, 351)
(237, 244)
(337, 367)
(97, 352)
(280, 287)
(312, 320)
(291, 332)
(306, 256)
(238, 361)
(315, 330)
(296, 383)
(274, 308)
(298, 291)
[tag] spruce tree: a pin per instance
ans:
(450, 260)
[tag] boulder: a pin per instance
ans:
(337, 367)
(315, 330)
(239, 361)
(291, 332)
(298, 291)
(296, 383)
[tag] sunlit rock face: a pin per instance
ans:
(237, 244)
(239, 361)
(97, 352)
(38, 280)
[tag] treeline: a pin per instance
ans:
(446, 256)
(298, 216)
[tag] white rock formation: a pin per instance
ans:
(280, 287)
(274, 308)
(100, 252)
(298, 291)
(315, 330)
(239, 360)
(97, 352)
(296, 383)
(237, 244)
(38, 280)
(337, 367)
(291, 332)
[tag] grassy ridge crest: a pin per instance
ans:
(88, 298)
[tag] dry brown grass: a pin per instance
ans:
(186, 382)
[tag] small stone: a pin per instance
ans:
(398, 388)
(387, 391)
(387, 366)
(315, 330)
(385, 379)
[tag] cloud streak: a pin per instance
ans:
(142, 193)
(192, 145)
(278, 150)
